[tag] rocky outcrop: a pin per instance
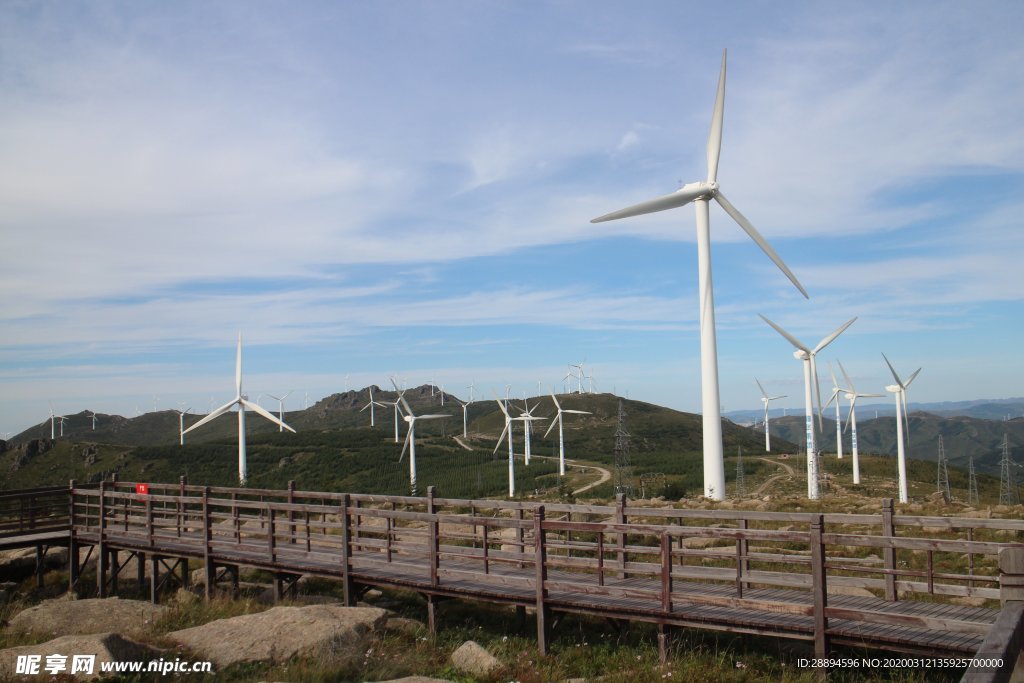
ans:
(107, 647)
(281, 633)
(62, 617)
(473, 659)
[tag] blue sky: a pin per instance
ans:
(375, 188)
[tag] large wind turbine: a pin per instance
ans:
(280, 408)
(900, 390)
(181, 425)
(511, 460)
(700, 193)
(766, 399)
(851, 420)
(243, 402)
(561, 435)
(410, 437)
(810, 375)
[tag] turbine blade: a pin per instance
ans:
(502, 406)
(893, 371)
(577, 412)
(215, 414)
(238, 366)
(763, 392)
(849, 382)
(832, 337)
(257, 408)
(715, 136)
(555, 420)
(792, 340)
(557, 407)
(503, 432)
(405, 446)
(906, 416)
(911, 378)
(849, 415)
(431, 417)
(761, 241)
(817, 391)
(832, 371)
(680, 197)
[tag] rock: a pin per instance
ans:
(63, 617)
(108, 647)
(8, 589)
(21, 562)
(938, 498)
(472, 659)
(968, 601)
(410, 627)
(280, 633)
(184, 596)
(850, 590)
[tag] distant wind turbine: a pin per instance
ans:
(465, 408)
(511, 461)
(410, 437)
(851, 420)
(280, 408)
(807, 355)
(561, 435)
(836, 390)
(370, 405)
(93, 416)
(700, 193)
(243, 402)
(472, 385)
(527, 417)
(181, 426)
(766, 399)
(900, 390)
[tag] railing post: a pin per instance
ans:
(520, 549)
(1011, 574)
(541, 567)
(433, 550)
(101, 558)
(620, 518)
(291, 514)
(271, 532)
(149, 521)
(666, 572)
(742, 563)
(181, 508)
(889, 531)
(72, 541)
(600, 558)
(819, 587)
(349, 595)
(208, 565)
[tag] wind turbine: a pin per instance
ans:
(836, 390)
(280, 408)
(370, 405)
(511, 461)
(53, 429)
(465, 408)
(243, 402)
(766, 399)
(700, 193)
(561, 435)
(851, 420)
(62, 419)
(526, 417)
(472, 385)
(810, 375)
(181, 426)
(93, 416)
(410, 437)
(900, 390)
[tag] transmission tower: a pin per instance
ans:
(741, 486)
(942, 479)
(1007, 489)
(623, 468)
(972, 483)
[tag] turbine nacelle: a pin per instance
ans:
(894, 388)
(800, 354)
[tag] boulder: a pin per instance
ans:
(410, 627)
(62, 617)
(108, 647)
(473, 659)
(280, 633)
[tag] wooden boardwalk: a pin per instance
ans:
(859, 580)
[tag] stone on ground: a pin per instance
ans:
(108, 647)
(281, 633)
(62, 617)
(471, 658)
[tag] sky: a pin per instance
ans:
(405, 188)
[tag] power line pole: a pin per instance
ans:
(942, 479)
(1007, 489)
(623, 468)
(741, 485)
(972, 483)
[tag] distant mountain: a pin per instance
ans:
(984, 409)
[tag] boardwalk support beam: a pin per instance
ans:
(819, 588)
(541, 565)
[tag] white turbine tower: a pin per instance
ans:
(181, 425)
(700, 193)
(394, 405)
(243, 402)
(851, 420)
(836, 390)
(900, 390)
(93, 416)
(62, 419)
(471, 387)
(465, 408)
(53, 429)
(410, 438)
(810, 376)
(511, 461)
(561, 435)
(370, 405)
(280, 408)
(766, 399)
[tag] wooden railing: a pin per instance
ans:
(33, 511)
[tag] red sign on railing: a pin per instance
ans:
(142, 488)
